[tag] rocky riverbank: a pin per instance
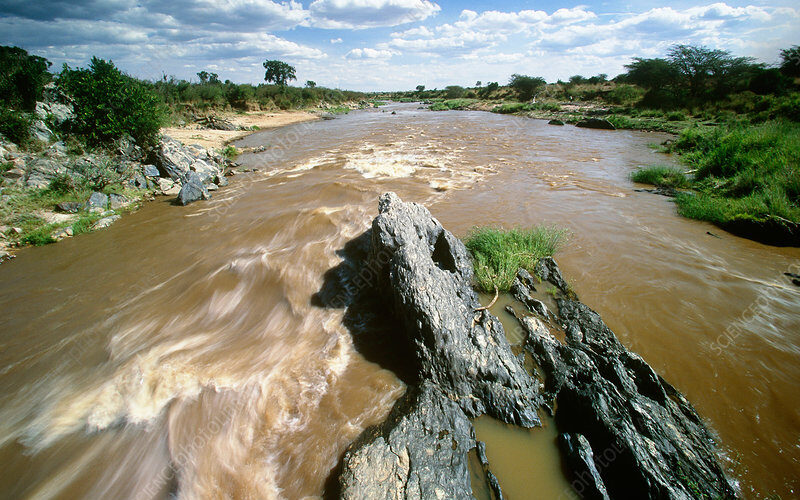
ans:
(56, 190)
(624, 431)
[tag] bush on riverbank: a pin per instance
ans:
(746, 178)
(662, 176)
(109, 105)
(499, 253)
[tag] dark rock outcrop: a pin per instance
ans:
(420, 451)
(463, 364)
(555, 122)
(646, 439)
(625, 432)
(425, 275)
(596, 123)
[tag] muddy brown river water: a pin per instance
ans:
(178, 352)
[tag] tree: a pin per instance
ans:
(791, 61)
(478, 83)
(705, 68)
(651, 73)
(311, 84)
(278, 72)
(420, 88)
(22, 77)
(109, 104)
(454, 91)
(526, 86)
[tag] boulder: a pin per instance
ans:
(127, 149)
(105, 221)
(192, 190)
(116, 201)
(68, 207)
(139, 181)
(40, 171)
(555, 122)
(41, 132)
(54, 112)
(596, 123)
(150, 171)
(176, 161)
(98, 202)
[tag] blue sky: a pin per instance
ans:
(389, 44)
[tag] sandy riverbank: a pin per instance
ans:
(216, 139)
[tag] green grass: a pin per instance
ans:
(663, 176)
(744, 172)
(230, 152)
(498, 253)
(451, 104)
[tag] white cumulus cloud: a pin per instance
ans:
(361, 14)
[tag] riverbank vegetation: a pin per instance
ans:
(498, 254)
(736, 120)
(68, 134)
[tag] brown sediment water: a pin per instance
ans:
(179, 351)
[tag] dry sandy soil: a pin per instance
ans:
(216, 139)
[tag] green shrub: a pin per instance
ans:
(22, 78)
(230, 152)
(625, 95)
(498, 254)
(661, 176)
(15, 125)
(676, 116)
(512, 107)
(110, 104)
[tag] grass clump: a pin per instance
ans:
(743, 172)
(663, 176)
(230, 152)
(498, 253)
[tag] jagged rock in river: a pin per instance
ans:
(425, 275)
(420, 451)
(192, 190)
(464, 364)
(626, 433)
(646, 438)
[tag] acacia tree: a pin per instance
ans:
(791, 61)
(278, 72)
(526, 86)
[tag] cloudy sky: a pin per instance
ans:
(389, 44)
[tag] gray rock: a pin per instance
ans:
(653, 443)
(420, 451)
(192, 190)
(62, 233)
(176, 161)
(56, 112)
(105, 221)
(139, 181)
(596, 123)
(14, 173)
(547, 270)
(588, 483)
(116, 201)
(150, 171)
(221, 180)
(127, 149)
(555, 122)
(41, 132)
(98, 202)
(40, 171)
(68, 207)
(424, 274)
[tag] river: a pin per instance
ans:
(179, 351)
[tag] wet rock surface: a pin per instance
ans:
(625, 432)
(461, 364)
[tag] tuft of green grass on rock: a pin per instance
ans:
(662, 176)
(498, 253)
